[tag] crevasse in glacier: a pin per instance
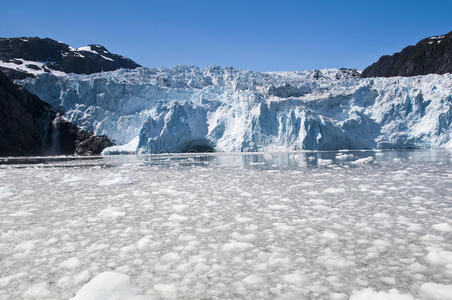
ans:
(189, 108)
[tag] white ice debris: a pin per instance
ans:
(228, 226)
(71, 263)
(111, 213)
(439, 257)
(38, 291)
(188, 108)
(436, 291)
(5, 192)
(370, 294)
(110, 286)
(115, 179)
(445, 227)
(130, 147)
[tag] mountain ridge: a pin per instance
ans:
(23, 57)
(431, 55)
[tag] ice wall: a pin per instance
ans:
(188, 108)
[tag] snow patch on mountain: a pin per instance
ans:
(30, 67)
(189, 108)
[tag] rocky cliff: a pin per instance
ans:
(432, 55)
(29, 126)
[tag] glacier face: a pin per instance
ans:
(184, 108)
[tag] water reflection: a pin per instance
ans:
(255, 161)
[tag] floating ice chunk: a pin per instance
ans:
(71, 263)
(21, 213)
(114, 179)
(381, 216)
(439, 257)
(110, 286)
(177, 218)
(166, 291)
(253, 280)
(389, 280)
(81, 277)
(250, 237)
(431, 238)
(236, 247)
(283, 226)
(25, 246)
(278, 206)
(71, 178)
(337, 296)
(324, 162)
(331, 259)
(296, 278)
(179, 207)
(6, 191)
(417, 267)
(415, 227)
(170, 257)
(370, 294)
(111, 213)
(333, 190)
(444, 227)
(343, 156)
(5, 281)
(38, 291)
(363, 161)
(330, 235)
(130, 147)
(436, 291)
(144, 242)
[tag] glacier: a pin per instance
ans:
(187, 108)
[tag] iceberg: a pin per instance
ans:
(187, 108)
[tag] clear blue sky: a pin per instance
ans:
(257, 35)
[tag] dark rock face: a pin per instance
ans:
(57, 56)
(66, 138)
(24, 120)
(432, 55)
(29, 126)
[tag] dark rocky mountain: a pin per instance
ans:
(25, 57)
(430, 55)
(29, 126)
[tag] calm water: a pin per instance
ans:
(310, 225)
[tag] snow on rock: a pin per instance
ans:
(436, 291)
(110, 286)
(187, 108)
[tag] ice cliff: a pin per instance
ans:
(188, 108)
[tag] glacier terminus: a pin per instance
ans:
(187, 108)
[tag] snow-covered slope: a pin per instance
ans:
(185, 108)
(31, 56)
